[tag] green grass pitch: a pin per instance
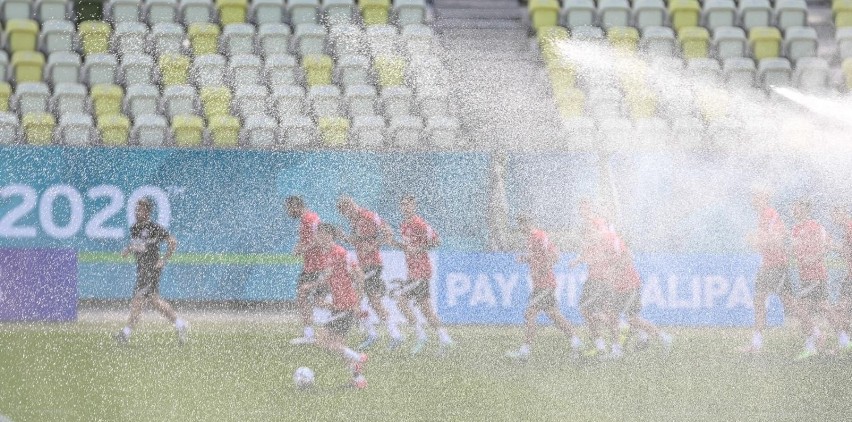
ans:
(242, 372)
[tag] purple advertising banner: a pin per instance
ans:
(38, 285)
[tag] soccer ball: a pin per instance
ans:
(303, 378)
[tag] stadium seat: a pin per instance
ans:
(9, 127)
(739, 71)
(208, 70)
(397, 101)
(250, 100)
(791, 13)
(150, 130)
(99, 69)
(94, 37)
(616, 133)
(651, 133)
(4, 66)
(704, 68)
(160, 11)
(15, 9)
(203, 38)
(224, 131)
(317, 69)
(367, 131)
(31, 97)
(141, 100)
(774, 72)
(844, 42)
(187, 130)
(641, 104)
(548, 40)
(588, 33)
(842, 11)
(613, 13)
(374, 12)
(21, 35)
(579, 132)
(719, 14)
(811, 74)
(443, 132)
(695, 41)
(346, 39)
(649, 13)
(174, 69)
(63, 67)
(166, 38)
(196, 11)
(106, 99)
(428, 72)
(114, 129)
(27, 66)
(658, 40)
(604, 101)
(51, 10)
(684, 13)
(755, 14)
(382, 40)
(338, 12)
(410, 12)
(353, 70)
(264, 12)
(562, 76)
(729, 42)
(76, 129)
(624, 39)
(136, 69)
(846, 68)
(333, 131)
(570, 103)
(433, 102)
(273, 38)
(576, 13)
(5, 95)
(215, 101)
(303, 11)
(325, 100)
(237, 38)
(765, 42)
(245, 69)
(405, 131)
(298, 131)
(116, 11)
(288, 101)
(390, 70)
(259, 131)
(56, 36)
(179, 100)
(310, 39)
(232, 11)
(360, 100)
(281, 69)
(543, 13)
(687, 132)
(799, 42)
(130, 38)
(38, 128)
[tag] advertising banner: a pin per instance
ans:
(38, 285)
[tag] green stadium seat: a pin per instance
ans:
(232, 11)
(842, 11)
(390, 70)
(21, 35)
(684, 13)
(94, 37)
(333, 131)
(765, 42)
(187, 130)
(624, 39)
(570, 102)
(543, 13)
(224, 131)
(549, 39)
(203, 38)
(694, 41)
(114, 129)
(38, 128)
(317, 68)
(374, 12)
(5, 94)
(215, 101)
(27, 66)
(106, 99)
(846, 68)
(174, 69)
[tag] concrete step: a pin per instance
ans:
(451, 23)
(511, 13)
(475, 4)
(478, 33)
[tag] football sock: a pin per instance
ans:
(757, 340)
(600, 344)
(843, 339)
(444, 336)
(643, 336)
(371, 330)
(180, 324)
(351, 354)
(309, 332)
(576, 343)
(126, 332)
(421, 332)
(525, 349)
(393, 330)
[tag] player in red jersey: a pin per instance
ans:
(369, 233)
(417, 239)
(842, 218)
(541, 256)
(343, 279)
(311, 255)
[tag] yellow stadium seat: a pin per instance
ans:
(5, 93)
(641, 103)
(114, 129)
(765, 42)
(38, 128)
(94, 36)
(570, 103)
(390, 70)
(204, 38)
(333, 131)
(188, 130)
(232, 11)
(562, 76)
(224, 131)
(27, 66)
(215, 101)
(695, 41)
(107, 99)
(549, 39)
(317, 69)
(543, 13)
(842, 11)
(712, 103)
(374, 12)
(684, 13)
(847, 72)
(21, 35)
(623, 38)
(174, 69)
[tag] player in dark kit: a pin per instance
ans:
(145, 239)
(306, 247)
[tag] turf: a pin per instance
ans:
(239, 372)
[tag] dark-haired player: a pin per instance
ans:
(306, 247)
(145, 239)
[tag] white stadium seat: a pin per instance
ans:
(99, 69)
(116, 11)
(659, 41)
(288, 100)
(237, 38)
(791, 13)
(160, 11)
(76, 129)
(405, 131)
(353, 70)
(409, 11)
(298, 131)
(250, 100)
(141, 100)
(137, 69)
(303, 11)
(811, 74)
(337, 12)
(281, 69)
(56, 36)
(259, 131)
(150, 130)
(844, 42)
(397, 101)
(719, 14)
(730, 42)
(273, 38)
(179, 100)
(577, 13)
(382, 40)
(310, 39)
(9, 126)
(166, 38)
(31, 97)
(774, 72)
(739, 71)
(130, 38)
(346, 40)
(245, 69)
(754, 13)
(442, 131)
(649, 13)
(263, 12)
(68, 98)
(63, 67)
(360, 100)
(800, 41)
(706, 69)
(16, 9)
(51, 10)
(208, 70)
(368, 131)
(614, 13)
(325, 101)
(196, 11)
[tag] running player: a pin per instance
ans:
(343, 279)
(145, 239)
(844, 304)
(417, 239)
(773, 277)
(541, 256)
(369, 233)
(312, 264)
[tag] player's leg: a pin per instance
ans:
(408, 295)
(587, 307)
(137, 305)
(304, 306)
(424, 303)
(530, 326)
(165, 309)
(563, 325)
(761, 283)
(810, 312)
(332, 339)
(374, 289)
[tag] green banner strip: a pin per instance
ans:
(196, 259)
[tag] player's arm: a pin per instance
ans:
(358, 277)
(171, 246)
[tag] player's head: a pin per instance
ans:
(325, 234)
(525, 223)
(760, 198)
(801, 210)
(144, 208)
(408, 205)
(295, 206)
(347, 207)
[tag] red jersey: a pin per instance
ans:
(772, 232)
(367, 229)
(600, 248)
(542, 258)
(628, 279)
(417, 233)
(338, 267)
(847, 246)
(810, 244)
(307, 234)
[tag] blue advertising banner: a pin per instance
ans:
(38, 285)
